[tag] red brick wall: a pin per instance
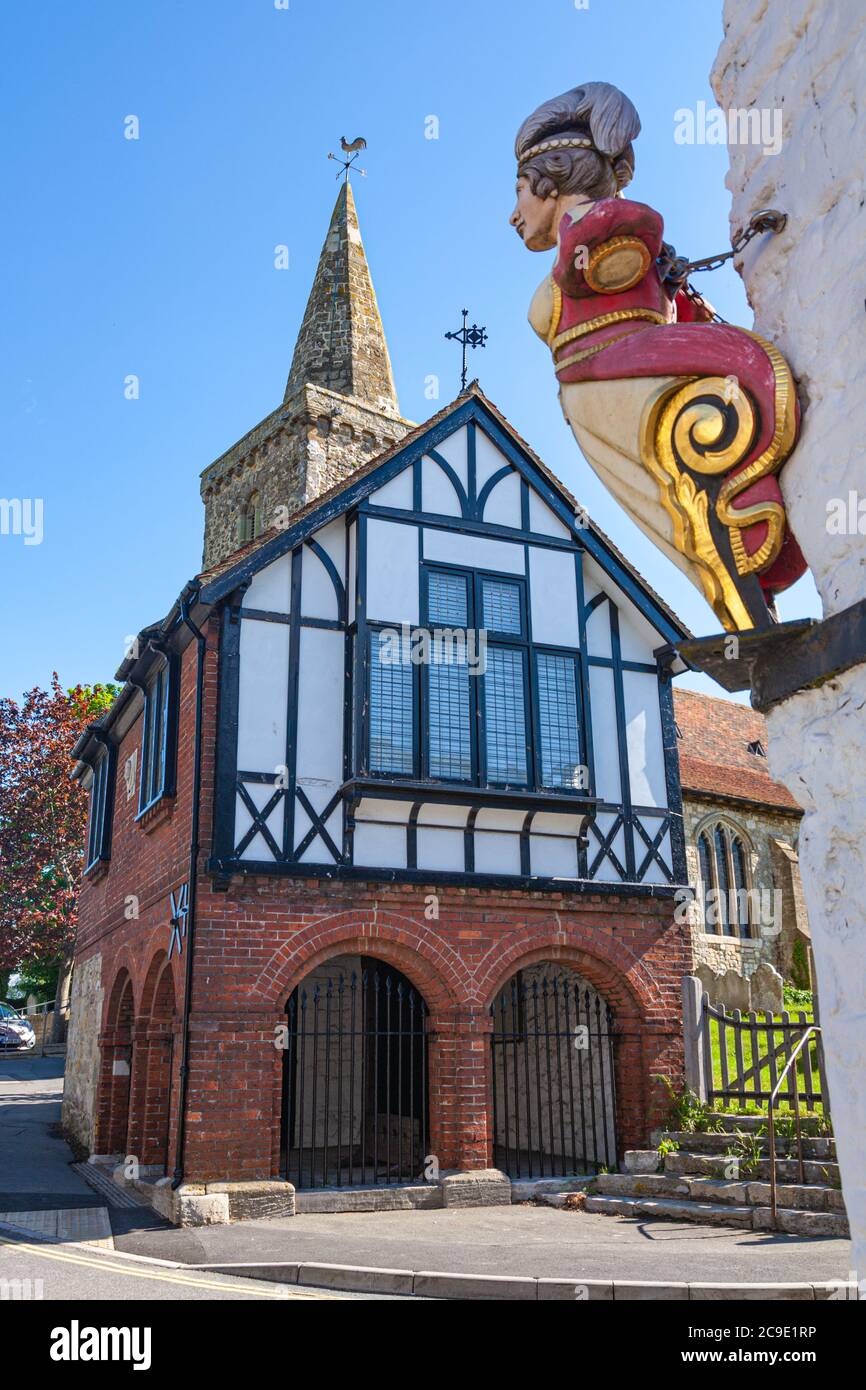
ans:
(255, 940)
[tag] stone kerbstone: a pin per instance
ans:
(574, 1290)
(432, 1284)
(487, 1187)
(253, 1201)
(645, 1291)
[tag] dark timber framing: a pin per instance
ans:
(644, 828)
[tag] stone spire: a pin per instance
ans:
(342, 344)
(340, 408)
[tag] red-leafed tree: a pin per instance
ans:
(43, 823)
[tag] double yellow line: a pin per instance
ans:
(107, 1265)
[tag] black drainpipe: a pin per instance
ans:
(188, 596)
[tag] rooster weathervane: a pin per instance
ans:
(351, 149)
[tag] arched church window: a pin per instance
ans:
(251, 519)
(723, 865)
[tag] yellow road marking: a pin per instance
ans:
(165, 1277)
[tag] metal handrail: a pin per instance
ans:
(812, 1028)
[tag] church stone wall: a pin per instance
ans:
(82, 1051)
(763, 829)
(806, 58)
(294, 455)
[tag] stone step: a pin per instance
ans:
(732, 1122)
(793, 1222)
(673, 1209)
(686, 1163)
(640, 1185)
(717, 1143)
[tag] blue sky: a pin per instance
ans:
(155, 257)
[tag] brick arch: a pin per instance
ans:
(618, 975)
(432, 966)
(158, 986)
(120, 1003)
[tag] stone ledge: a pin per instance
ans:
(484, 1187)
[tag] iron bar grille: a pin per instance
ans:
(553, 1077)
(355, 1081)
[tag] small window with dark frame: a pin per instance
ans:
(155, 749)
(392, 716)
(99, 823)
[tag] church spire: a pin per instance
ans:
(342, 344)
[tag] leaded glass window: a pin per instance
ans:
(500, 604)
(449, 712)
(99, 825)
(505, 715)
(391, 709)
(557, 720)
(724, 872)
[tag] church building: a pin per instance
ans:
(386, 830)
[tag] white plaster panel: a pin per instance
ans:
(638, 639)
(488, 459)
(332, 538)
(654, 873)
(398, 492)
(643, 725)
(320, 709)
(392, 572)
(369, 808)
(262, 695)
(318, 595)
(380, 846)
(497, 853)
(258, 848)
(440, 849)
(434, 814)
(438, 494)
(552, 857)
(598, 631)
(542, 520)
(455, 450)
(604, 735)
(271, 589)
(549, 823)
(553, 594)
(502, 507)
(475, 551)
(499, 818)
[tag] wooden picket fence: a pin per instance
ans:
(738, 1057)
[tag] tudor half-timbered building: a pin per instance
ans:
(386, 830)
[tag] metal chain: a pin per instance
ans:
(676, 269)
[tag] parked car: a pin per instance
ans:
(15, 1030)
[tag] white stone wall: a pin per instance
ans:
(808, 59)
(82, 1051)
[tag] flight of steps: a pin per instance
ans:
(691, 1184)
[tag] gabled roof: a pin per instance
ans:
(715, 761)
(472, 404)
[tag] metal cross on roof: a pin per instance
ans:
(468, 337)
(177, 921)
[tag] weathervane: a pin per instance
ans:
(351, 149)
(469, 337)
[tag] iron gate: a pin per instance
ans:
(553, 1076)
(355, 1081)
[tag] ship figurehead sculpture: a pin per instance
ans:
(685, 419)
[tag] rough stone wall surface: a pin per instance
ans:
(342, 343)
(81, 1077)
(807, 58)
(760, 827)
(296, 453)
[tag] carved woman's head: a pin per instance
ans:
(574, 146)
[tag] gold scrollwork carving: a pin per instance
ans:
(700, 423)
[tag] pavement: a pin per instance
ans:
(520, 1240)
